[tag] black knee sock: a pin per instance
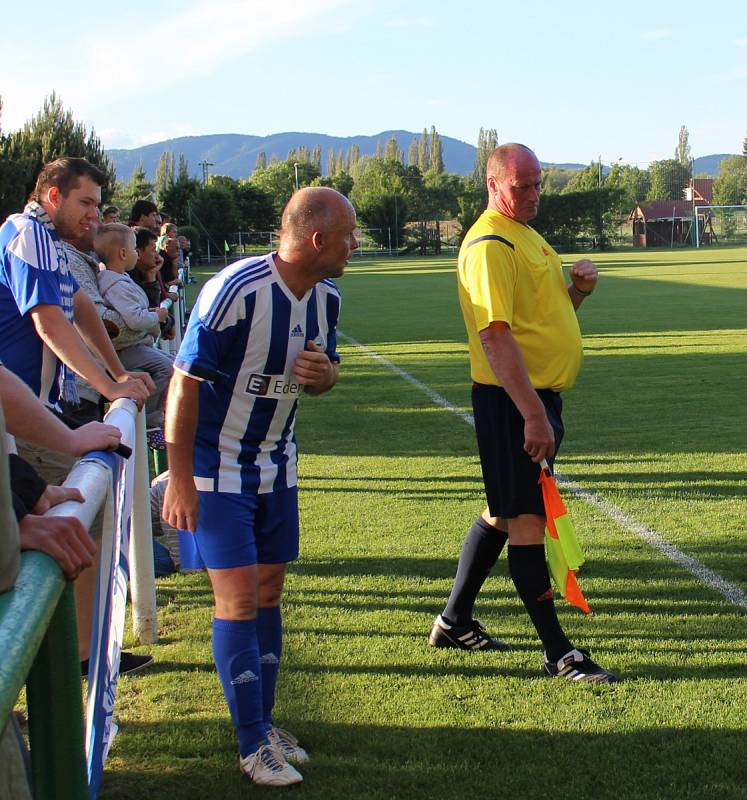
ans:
(528, 569)
(480, 551)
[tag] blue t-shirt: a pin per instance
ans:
(33, 271)
(244, 335)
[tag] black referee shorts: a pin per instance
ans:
(510, 476)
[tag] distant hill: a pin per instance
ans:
(235, 154)
(710, 165)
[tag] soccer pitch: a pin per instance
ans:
(389, 484)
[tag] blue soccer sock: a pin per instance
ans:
(236, 655)
(270, 638)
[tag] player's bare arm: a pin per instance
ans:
(180, 502)
(315, 371)
(507, 363)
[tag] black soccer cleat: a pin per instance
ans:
(577, 666)
(128, 663)
(471, 636)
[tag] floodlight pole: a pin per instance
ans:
(295, 169)
(205, 165)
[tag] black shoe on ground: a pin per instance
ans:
(471, 636)
(128, 663)
(577, 666)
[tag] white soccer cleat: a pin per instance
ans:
(287, 744)
(267, 767)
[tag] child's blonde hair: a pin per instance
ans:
(111, 238)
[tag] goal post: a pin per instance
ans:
(716, 224)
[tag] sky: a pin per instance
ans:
(573, 80)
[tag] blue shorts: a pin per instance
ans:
(236, 530)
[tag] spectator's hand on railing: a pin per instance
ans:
(137, 386)
(93, 436)
(53, 496)
(162, 312)
(63, 538)
(143, 377)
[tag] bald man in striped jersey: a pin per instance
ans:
(261, 334)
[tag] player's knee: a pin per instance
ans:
(237, 607)
(526, 529)
(271, 582)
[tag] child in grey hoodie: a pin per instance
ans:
(115, 246)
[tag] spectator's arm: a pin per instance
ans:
(27, 418)
(63, 340)
(92, 330)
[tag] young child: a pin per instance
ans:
(115, 246)
(146, 275)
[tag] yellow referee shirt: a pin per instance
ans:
(507, 272)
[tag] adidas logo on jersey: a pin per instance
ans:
(246, 677)
(297, 331)
(269, 658)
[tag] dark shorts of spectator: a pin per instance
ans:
(510, 476)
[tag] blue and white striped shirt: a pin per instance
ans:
(244, 335)
(33, 271)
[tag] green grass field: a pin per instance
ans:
(390, 482)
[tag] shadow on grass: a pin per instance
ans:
(397, 762)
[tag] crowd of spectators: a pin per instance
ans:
(80, 315)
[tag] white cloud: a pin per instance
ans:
(741, 42)
(116, 138)
(92, 65)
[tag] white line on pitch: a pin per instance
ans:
(696, 568)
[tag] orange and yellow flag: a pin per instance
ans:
(564, 556)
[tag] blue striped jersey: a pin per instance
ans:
(243, 337)
(33, 271)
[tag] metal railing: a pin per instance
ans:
(38, 636)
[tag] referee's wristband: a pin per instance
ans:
(579, 291)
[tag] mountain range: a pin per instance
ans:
(236, 154)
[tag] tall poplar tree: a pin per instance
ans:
(165, 174)
(413, 153)
(316, 157)
(424, 152)
(391, 153)
(261, 162)
(182, 170)
(487, 141)
(682, 151)
(354, 156)
(437, 158)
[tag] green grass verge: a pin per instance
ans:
(389, 483)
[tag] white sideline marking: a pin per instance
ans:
(696, 568)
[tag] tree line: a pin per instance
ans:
(403, 200)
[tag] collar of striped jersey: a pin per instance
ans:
(35, 211)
